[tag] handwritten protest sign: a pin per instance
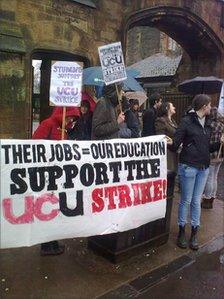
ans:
(112, 63)
(53, 190)
(66, 83)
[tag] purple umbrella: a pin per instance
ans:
(208, 85)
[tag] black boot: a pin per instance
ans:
(181, 239)
(207, 203)
(211, 203)
(51, 248)
(193, 244)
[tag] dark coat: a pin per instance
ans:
(148, 119)
(104, 124)
(196, 146)
(132, 123)
(166, 127)
(82, 128)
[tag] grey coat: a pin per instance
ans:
(104, 124)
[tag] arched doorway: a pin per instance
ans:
(199, 41)
(203, 51)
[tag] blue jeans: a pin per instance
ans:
(192, 184)
(211, 184)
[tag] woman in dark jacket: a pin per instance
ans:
(166, 125)
(194, 134)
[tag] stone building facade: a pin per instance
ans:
(145, 41)
(73, 30)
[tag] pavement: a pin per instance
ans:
(195, 275)
(80, 274)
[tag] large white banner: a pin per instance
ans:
(66, 83)
(112, 63)
(53, 190)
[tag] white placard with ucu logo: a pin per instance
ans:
(112, 63)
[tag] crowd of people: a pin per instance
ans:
(193, 146)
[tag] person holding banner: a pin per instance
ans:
(51, 129)
(217, 126)
(166, 125)
(194, 134)
(105, 124)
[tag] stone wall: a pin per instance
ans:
(69, 27)
(63, 26)
(204, 14)
(144, 41)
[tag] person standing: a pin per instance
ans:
(150, 115)
(194, 134)
(51, 129)
(130, 128)
(166, 125)
(105, 123)
(217, 125)
(83, 126)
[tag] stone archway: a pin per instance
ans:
(203, 46)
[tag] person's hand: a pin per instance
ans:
(121, 118)
(169, 141)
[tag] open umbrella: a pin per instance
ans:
(94, 76)
(198, 85)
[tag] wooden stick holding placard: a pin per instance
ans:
(220, 150)
(119, 96)
(63, 124)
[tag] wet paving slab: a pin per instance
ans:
(203, 279)
(199, 275)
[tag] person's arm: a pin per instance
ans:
(179, 136)
(160, 126)
(213, 147)
(43, 131)
(102, 124)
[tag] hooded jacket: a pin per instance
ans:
(195, 140)
(104, 124)
(51, 128)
